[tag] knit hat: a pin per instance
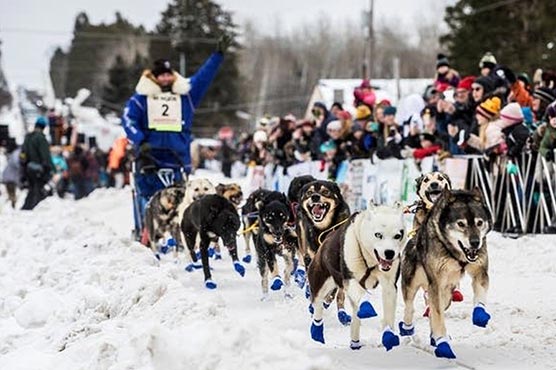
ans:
(41, 122)
(365, 84)
(362, 112)
(372, 126)
(343, 114)
(551, 111)
(442, 60)
(427, 136)
(334, 125)
(486, 83)
(488, 61)
(327, 146)
(390, 111)
(489, 108)
(161, 66)
(545, 94)
(512, 113)
(466, 82)
(260, 137)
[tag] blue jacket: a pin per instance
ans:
(192, 90)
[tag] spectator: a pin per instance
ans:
(60, 177)
(11, 174)
(302, 139)
(364, 94)
(548, 142)
(487, 64)
(542, 98)
(259, 150)
(482, 88)
(37, 164)
(486, 112)
(78, 165)
(336, 108)
(446, 77)
(507, 134)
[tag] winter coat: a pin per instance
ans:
(516, 138)
(135, 119)
(35, 150)
(450, 79)
(11, 172)
(548, 141)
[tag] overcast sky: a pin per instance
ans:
(30, 30)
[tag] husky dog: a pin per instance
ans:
(250, 219)
(450, 242)
(294, 190)
(232, 192)
(274, 239)
(358, 256)
(429, 187)
(209, 217)
(161, 215)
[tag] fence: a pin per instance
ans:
(520, 193)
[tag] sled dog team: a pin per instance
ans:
(335, 254)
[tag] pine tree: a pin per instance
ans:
(520, 34)
(194, 26)
(5, 95)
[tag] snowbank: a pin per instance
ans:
(78, 294)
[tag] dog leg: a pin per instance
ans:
(205, 241)
(355, 325)
(277, 282)
(479, 282)
(389, 295)
(410, 287)
(193, 264)
(343, 316)
(364, 309)
(317, 326)
(439, 298)
(288, 259)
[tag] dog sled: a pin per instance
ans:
(152, 171)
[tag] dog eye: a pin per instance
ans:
(480, 223)
(398, 236)
(325, 192)
(461, 224)
(196, 189)
(378, 235)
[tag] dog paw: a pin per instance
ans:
(277, 283)
(355, 345)
(427, 311)
(295, 265)
(317, 331)
(457, 295)
(211, 252)
(307, 291)
(164, 249)
(217, 256)
(443, 349)
(311, 308)
(343, 317)
(299, 277)
(198, 255)
(325, 305)
(366, 310)
(239, 268)
(390, 340)
(247, 258)
(480, 316)
(209, 284)
(406, 330)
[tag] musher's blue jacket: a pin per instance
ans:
(192, 90)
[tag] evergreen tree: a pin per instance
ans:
(5, 95)
(193, 27)
(520, 34)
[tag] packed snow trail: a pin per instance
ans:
(77, 293)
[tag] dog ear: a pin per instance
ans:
(220, 188)
(477, 194)
(418, 181)
(447, 195)
(447, 178)
(259, 205)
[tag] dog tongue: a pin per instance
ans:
(318, 210)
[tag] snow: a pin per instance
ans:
(77, 293)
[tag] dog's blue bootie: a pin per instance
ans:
(247, 258)
(193, 266)
(211, 252)
(389, 339)
(355, 345)
(307, 291)
(277, 283)
(239, 268)
(311, 308)
(217, 256)
(325, 305)
(366, 310)
(198, 255)
(209, 284)
(406, 330)
(299, 277)
(343, 317)
(317, 331)
(480, 316)
(443, 349)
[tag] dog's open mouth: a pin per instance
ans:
(236, 199)
(384, 265)
(470, 254)
(433, 195)
(318, 211)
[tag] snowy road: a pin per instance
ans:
(76, 293)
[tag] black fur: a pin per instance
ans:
(296, 185)
(211, 214)
(159, 219)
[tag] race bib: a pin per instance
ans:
(164, 111)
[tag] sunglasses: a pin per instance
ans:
(477, 88)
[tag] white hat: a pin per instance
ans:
(334, 125)
(260, 137)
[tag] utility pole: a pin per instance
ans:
(371, 54)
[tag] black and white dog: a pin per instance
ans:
(210, 217)
(275, 237)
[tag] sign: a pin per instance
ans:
(164, 112)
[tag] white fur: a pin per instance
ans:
(148, 86)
